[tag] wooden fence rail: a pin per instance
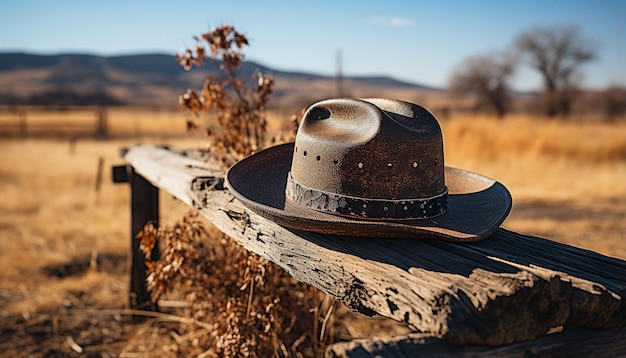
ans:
(21, 125)
(508, 288)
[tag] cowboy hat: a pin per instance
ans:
(373, 168)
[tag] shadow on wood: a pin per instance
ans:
(577, 343)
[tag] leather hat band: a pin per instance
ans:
(337, 204)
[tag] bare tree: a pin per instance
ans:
(488, 77)
(557, 54)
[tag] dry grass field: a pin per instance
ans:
(568, 180)
(64, 241)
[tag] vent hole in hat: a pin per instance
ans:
(436, 162)
(318, 113)
(304, 153)
(360, 165)
(318, 158)
(335, 161)
(389, 165)
(415, 165)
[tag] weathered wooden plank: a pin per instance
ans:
(505, 289)
(575, 343)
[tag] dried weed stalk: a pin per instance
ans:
(238, 105)
(255, 308)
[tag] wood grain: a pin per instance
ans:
(507, 288)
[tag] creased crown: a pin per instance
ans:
(371, 148)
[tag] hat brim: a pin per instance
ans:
(477, 205)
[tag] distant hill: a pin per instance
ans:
(157, 80)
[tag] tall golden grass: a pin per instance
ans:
(541, 158)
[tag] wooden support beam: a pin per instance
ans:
(144, 208)
(505, 289)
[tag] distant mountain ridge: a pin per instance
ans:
(157, 80)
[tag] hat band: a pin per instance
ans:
(337, 204)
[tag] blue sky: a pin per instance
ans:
(415, 41)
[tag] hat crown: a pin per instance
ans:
(372, 148)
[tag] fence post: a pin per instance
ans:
(144, 206)
(21, 114)
(101, 122)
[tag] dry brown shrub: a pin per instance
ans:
(240, 304)
(252, 307)
(230, 109)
